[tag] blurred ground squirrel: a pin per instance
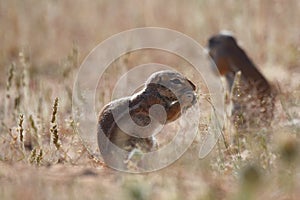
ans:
(252, 96)
(169, 89)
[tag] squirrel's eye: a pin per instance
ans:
(176, 81)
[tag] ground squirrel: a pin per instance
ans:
(255, 103)
(168, 89)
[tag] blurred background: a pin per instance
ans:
(48, 40)
(46, 31)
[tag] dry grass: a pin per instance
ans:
(41, 157)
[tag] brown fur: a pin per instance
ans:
(166, 88)
(255, 101)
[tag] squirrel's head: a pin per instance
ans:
(220, 49)
(173, 87)
(221, 40)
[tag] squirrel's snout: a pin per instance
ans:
(189, 98)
